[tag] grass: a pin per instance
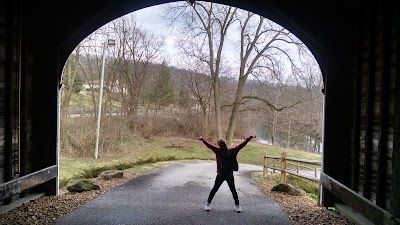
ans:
(150, 152)
(158, 152)
(95, 171)
(137, 167)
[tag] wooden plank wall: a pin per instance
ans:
(395, 111)
(5, 154)
(13, 94)
(375, 112)
(3, 46)
(390, 68)
(10, 83)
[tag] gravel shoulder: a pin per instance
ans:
(47, 209)
(304, 210)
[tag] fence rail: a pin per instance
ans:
(294, 166)
(14, 187)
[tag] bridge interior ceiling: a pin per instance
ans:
(59, 29)
(356, 43)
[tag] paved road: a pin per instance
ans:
(176, 195)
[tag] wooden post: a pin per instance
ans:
(298, 167)
(265, 171)
(316, 172)
(283, 167)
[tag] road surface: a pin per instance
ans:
(176, 195)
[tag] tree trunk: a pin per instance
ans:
(217, 105)
(70, 82)
(314, 148)
(235, 110)
(274, 127)
(288, 134)
(205, 119)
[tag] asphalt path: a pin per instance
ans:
(177, 194)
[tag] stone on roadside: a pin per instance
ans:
(81, 185)
(110, 174)
(289, 189)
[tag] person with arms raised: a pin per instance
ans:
(226, 159)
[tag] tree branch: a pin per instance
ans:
(272, 106)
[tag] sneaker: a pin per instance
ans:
(207, 207)
(238, 209)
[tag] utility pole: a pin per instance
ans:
(109, 42)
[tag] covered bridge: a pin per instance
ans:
(356, 43)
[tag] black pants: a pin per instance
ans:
(218, 182)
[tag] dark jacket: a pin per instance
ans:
(234, 151)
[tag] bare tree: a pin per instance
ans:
(205, 27)
(90, 62)
(68, 79)
(137, 49)
(263, 45)
(197, 84)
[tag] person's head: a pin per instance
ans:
(222, 144)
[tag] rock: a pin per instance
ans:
(80, 185)
(289, 189)
(109, 174)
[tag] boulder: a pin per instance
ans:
(80, 185)
(289, 189)
(110, 174)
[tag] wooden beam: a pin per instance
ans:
(294, 173)
(312, 162)
(395, 182)
(302, 175)
(355, 154)
(273, 157)
(6, 105)
(307, 161)
(367, 159)
(372, 212)
(27, 182)
(383, 116)
(23, 124)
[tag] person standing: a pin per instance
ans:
(226, 159)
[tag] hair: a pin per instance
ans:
(222, 144)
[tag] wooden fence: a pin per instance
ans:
(295, 166)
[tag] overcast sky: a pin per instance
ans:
(150, 18)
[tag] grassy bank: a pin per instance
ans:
(150, 153)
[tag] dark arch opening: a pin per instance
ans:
(356, 38)
(107, 12)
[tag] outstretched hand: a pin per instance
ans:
(201, 138)
(253, 136)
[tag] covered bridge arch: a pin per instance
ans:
(356, 44)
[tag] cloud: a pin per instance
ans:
(150, 18)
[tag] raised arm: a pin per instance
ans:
(244, 143)
(209, 145)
